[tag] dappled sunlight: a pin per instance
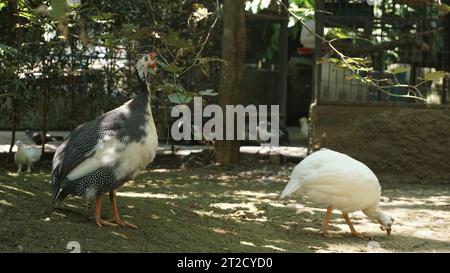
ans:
(247, 243)
(119, 235)
(159, 171)
(413, 201)
(17, 189)
(59, 214)
(277, 241)
(256, 194)
(227, 206)
(272, 247)
(72, 206)
(222, 231)
(150, 195)
(6, 203)
(155, 217)
(238, 212)
(219, 208)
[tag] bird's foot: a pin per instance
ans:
(100, 222)
(361, 235)
(122, 223)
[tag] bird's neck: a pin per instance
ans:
(144, 87)
(372, 213)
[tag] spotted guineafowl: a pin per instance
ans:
(99, 156)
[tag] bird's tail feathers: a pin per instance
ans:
(291, 187)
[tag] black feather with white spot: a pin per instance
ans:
(128, 129)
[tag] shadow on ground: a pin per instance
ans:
(213, 209)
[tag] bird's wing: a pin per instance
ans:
(80, 144)
(124, 124)
(78, 147)
(33, 154)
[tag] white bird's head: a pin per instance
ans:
(148, 60)
(386, 222)
(18, 142)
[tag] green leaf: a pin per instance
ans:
(102, 17)
(129, 27)
(208, 92)
(59, 8)
(400, 69)
(2, 5)
(444, 8)
(19, 84)
(338, 33)
(179, 98)
(331, 60)
(7, 49)
(365, 69)
(358, 61)
(175, 41)
(170, 88)
(347, 66)
(172, 68)
(434, 76)
(28, 15)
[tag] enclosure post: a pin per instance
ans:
(14, 124)
(317, 71)
(282, 62)
(316, 75)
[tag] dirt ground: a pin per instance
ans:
(195, 206)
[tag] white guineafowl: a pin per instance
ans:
(339, 182)
(304, 127)
(26, 156)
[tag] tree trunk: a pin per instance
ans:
(11, 34)
(14, 124)
(44, 115)
(233, 52)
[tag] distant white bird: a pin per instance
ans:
(340, 182)
(265, 133)
(307, 38)
(26, 156)
(304, 128)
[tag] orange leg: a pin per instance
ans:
(326, 220)
(98, 220)
(350, 224)
(115, 209)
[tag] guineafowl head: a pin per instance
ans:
(386, 222)
(148, 60)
